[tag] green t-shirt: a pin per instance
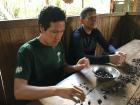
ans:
(41, 65)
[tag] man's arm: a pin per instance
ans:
(106, 46)
(116, 57)
(82, 63)
(23, 91)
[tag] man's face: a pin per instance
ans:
(90, 20)
(54, 33)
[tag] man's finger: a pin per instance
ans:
(75, 99)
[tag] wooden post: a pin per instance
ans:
(82, 3)
(112, 6)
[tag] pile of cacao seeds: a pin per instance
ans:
(131, 75)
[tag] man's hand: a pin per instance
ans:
(118, 58)
(82, 63)
(73, 93)
(123, 56)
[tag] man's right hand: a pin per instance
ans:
(73, 93)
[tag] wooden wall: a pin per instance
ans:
(14, 33)
(126, 29)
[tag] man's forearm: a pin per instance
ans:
(102, 59)
(34, 92)
(69, 68)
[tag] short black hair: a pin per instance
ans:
(86, 10)
(50, 14)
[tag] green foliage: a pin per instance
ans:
(22, 8)
(16, 12)
(31, 8)
(57, 2)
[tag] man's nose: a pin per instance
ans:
(59, 35)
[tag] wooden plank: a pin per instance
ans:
(89, 80)
(135, 100)
(18, 23)
(132, 49)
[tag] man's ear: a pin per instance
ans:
(41, 28)
(81, 20)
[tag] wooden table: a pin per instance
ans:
(87, 81)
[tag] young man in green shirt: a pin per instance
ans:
(40, 62)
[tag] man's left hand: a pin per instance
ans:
(82, 63)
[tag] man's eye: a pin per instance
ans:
(54, 32)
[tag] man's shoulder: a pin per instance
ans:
(24, 48)
(78, 29)
(27, 46)
(77, 32)
(95, 30)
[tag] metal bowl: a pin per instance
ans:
(105, 72)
